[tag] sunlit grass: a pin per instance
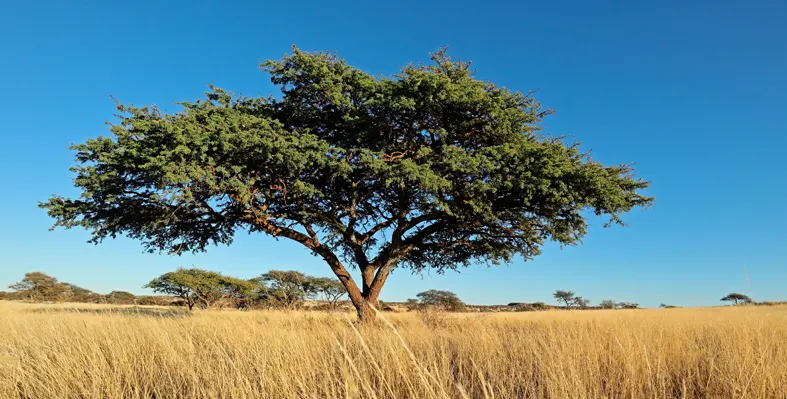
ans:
(693, 353)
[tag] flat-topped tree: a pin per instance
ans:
(567, 297)
(736, 297)
(428, 168)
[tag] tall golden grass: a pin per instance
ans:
(47, 351)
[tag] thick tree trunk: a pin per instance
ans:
(367, 312)
(364, 299)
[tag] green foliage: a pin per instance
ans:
(121, 297)
(451, 169)
(76, 290)
(285, 288)
(567, 297)
(527, 307)
(608, 304)
(241, 293)
(39, 286)
(446, 300)
(580, 302)
(627, 305)
(147, 300)
(195, 286)
(737, 298)
(327, 289)
(539, 306)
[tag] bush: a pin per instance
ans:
(539, 306)
(121, 297)
(608, 304)
(444, 300)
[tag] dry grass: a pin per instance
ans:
(692, 353)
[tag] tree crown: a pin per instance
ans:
(440, 298)
(736, 297)
(427, 168)
(563, 295)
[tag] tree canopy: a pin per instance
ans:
(567, 297)
(580, 302)
(427, 168)
(195, 286)
(37, 285)
(608, 304)
(121, 297)
(440, 298)
(736, 298)
(328, 289)
(286, 288)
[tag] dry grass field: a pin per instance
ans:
(50, 351)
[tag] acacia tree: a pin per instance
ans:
(581, 302)
(736, 297)
(37, 285)
(193, 286)
(175, 284)
(627, 305)
(241, 292)
(285, 288)
(567, 297)
(329, 289)
(427, 168)
(608, 304)
(440, 298)
(121, 297)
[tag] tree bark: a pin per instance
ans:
(372, 286)
(366, 312)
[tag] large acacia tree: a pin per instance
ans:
(428, 168)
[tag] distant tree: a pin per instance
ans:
(665, 306)
(242, 293)
(199, 287)
(285, 288)
(627, 305)
(329, 289)
(147, 300)
(565, 296)
(75, 290)
(39, 286)
(539, 306)
(441, 299)
(430, 168)
(608, 304)
(121, 297)
(736, 297)
(179, 284)
(580, 302)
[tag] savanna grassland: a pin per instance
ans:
(55, 351)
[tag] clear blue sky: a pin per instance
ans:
(695, 94)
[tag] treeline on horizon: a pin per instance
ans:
(278, 289)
